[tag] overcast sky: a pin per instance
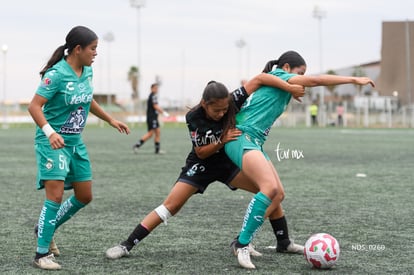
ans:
(189, 42)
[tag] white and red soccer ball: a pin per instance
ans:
(322, 250)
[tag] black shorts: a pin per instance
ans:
(152, 123)
(201, 175)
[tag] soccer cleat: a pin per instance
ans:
(52, 247)
(253, 252)
(47, 262)
(291, 248)
(161, 152)
(135, 148)
(243, 256)
(117, 252)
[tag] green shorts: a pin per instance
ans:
(236, 148)
(69, 164)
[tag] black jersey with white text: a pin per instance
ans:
(152, 100)
(204, 131)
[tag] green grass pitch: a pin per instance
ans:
(371, 217)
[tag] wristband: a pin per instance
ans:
(166, 114)
(48, 130)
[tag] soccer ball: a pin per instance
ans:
(322, 251)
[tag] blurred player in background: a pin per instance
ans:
(153, 125)
(60, 108)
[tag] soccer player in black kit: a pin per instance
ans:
(153, 109)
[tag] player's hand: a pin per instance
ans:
(56, 141)
(297, 91)
(120, 126)
(232, 134)
(166, 114)
(364, 81)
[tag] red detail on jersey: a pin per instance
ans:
(194, 135)
(46, 82)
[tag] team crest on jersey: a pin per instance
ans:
(49, 164)
(46, 82)
(75, 123)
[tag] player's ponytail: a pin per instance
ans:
(269, 65)
(56, 57)
(78, 35)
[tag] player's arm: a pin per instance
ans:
(160, 110)
(329, 80)
(208, 150)
(36, 111)
(266, 79)
(97, 110)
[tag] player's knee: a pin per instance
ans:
(163, 213)
(85, 199)
(280, 195)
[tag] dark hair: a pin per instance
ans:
(290, 57)
(215, 91)
(78, 35)
(154, 85)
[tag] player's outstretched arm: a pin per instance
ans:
(328, 80)
(265, 79)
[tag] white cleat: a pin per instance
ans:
(253, 252)
(292, 248)
(47, 262)
(117, 252)
(243, 256)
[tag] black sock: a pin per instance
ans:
(139, 143)
(38, 255)
(136, 236)
(157, 147)
(281, 231)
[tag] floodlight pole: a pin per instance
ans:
(138, 4)
(408, 69)
(319, 15)
(4, 49)
(240, 44)
(109, 37)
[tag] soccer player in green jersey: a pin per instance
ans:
(255, 120)
(60, 108)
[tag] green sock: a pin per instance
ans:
(67, 210)
(47, 221)
(254, 217)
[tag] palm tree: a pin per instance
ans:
(134, 79)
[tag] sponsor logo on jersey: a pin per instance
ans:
(208, 138)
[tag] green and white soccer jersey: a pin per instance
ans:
(262, 108)
(69, 99)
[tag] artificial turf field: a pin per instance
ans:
(371, 217)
